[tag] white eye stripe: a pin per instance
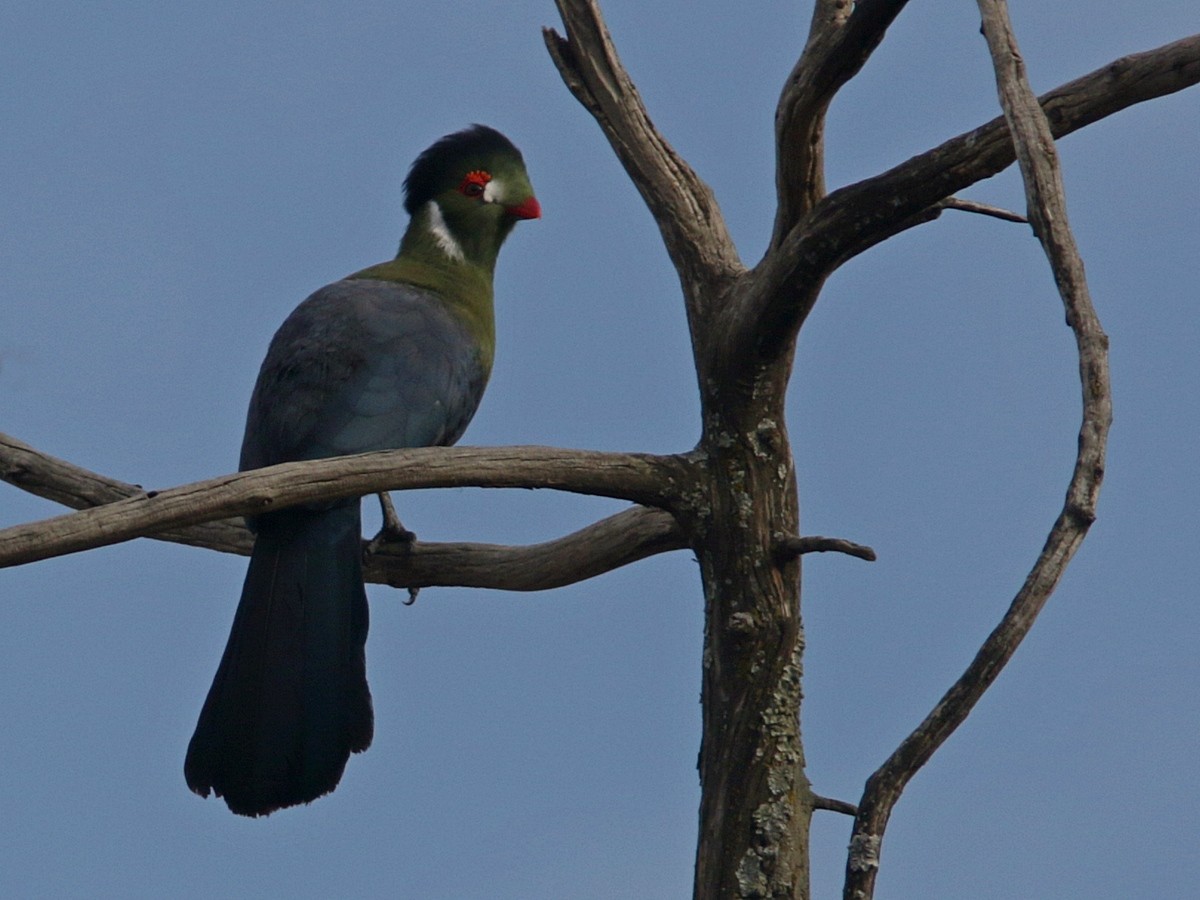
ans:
(441, 233)
(492, 191)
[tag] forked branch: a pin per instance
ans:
(641, 478)
(1031, 135)
(609, 544)
(841, 40)
(603, 546)
(850, 220)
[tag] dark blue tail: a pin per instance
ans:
(290, 701)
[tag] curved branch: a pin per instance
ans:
(611, 543)
(683, 206)
(850, 220)
(641, 478)
(983, 209)
(841, 40)
(1031, 134)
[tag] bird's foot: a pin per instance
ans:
(390, 535)
(392, 531)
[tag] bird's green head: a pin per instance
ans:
(465, 194)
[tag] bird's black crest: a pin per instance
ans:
(437, 168)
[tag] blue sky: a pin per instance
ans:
(175, 178)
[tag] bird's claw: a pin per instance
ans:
(392, 531)
(387, 535)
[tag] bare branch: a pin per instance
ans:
(55, 479)
(784, 286)
(641, 478)
(683, 206)
(842, 38)
(833, 805)
(983, 209)
(1031, 134)
(611, 543)
(789, 546)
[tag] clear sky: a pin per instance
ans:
(174, 178)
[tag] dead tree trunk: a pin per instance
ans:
(756, 801)
(739, 511)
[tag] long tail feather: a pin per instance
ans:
(290, 701)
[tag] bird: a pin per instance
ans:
(395, 355)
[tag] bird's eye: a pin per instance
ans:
(475, 182)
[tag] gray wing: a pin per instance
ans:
(363, 365)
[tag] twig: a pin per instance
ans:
(833, 805)
(789, 546)
(983, 209)
(1031, 135)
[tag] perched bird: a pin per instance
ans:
(396, 355)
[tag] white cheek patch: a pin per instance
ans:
(441, 233)
(492, 191)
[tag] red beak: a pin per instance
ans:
(527, 209)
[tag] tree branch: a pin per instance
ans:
(603, 546)
(641, 478)
(609, 544)
(841, 40)
(833, 805)
(683, 206)
(1031, 135)
(784, 286)
(983, 209)
(55, 479)
(789, 546)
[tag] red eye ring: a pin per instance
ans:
(474, 183)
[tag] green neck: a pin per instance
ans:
(463, 284)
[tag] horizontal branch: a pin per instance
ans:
(613, 542)
(640, 478)
(789, 546)
(850, 220)
(833, 805)
(609, 544)
(603, 546)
